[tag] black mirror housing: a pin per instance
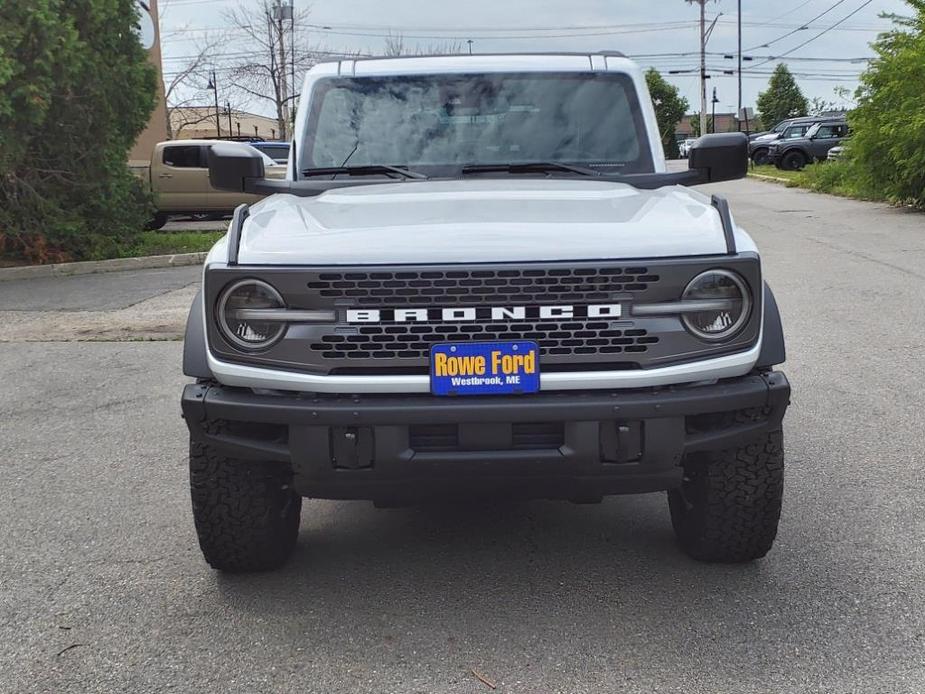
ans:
(235, 167)
(720, 157)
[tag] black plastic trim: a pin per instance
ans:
(238, 404)
(362, 448)
(309, 188)
(195, 351)
(773, 347)
(722, 206)
(234, 233)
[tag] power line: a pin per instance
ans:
(793, 11)
(817, 36)
(516, 33)
(797, 30)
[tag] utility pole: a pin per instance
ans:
(295, 87)
(228, 113)
(703, 66)
(739, 112)
(280, 12)
(704, 38)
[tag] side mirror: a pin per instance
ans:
(235, 167)
(720, 157)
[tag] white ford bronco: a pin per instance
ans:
(479, 278)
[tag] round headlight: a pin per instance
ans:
(239, 323)
(726, 305)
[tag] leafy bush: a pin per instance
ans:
(76, 89)
(843, 177)
(887, 149)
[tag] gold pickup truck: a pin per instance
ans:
(178, 176)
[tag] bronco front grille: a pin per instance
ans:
(469, 287)
(387, 345)
(588, 337)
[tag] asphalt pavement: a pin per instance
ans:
(102, 587)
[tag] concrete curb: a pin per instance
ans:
(772, 179)
(96, 266)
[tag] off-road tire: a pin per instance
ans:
(728, 508)
(761, 157)
(157, 222)
(246, 514)
(793, 161)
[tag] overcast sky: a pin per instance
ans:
(636, 27)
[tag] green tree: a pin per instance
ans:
(783, 98)
(76, 89)
(888, 143)
(670, 108)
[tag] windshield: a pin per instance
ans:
(592, 119)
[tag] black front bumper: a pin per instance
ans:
(576, 445)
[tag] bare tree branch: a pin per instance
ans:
(190, 81)
(277, 54)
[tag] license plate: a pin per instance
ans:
(485, 368)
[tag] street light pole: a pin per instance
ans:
(715, 101)
(213, 85)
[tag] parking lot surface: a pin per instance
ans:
(102, 587)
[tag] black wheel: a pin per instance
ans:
(793, 161)
(760, 157)
(728, 507)
(157, 221)
(246, 514)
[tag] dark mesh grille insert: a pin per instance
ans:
(578, 337)
(525, 436)
(471, 287)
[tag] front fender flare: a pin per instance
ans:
(195, 349)
(773, 349)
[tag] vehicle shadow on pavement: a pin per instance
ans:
(481, 557)
(513, 590)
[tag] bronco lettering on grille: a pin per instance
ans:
(483, 314)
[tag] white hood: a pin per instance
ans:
(481, 220)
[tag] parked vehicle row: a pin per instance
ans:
(759, 145)
(795, 153)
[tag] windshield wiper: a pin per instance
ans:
(368, 170)
(530, 167)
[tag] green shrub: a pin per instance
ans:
(887, 148)
(843, 177)
(76, 89)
